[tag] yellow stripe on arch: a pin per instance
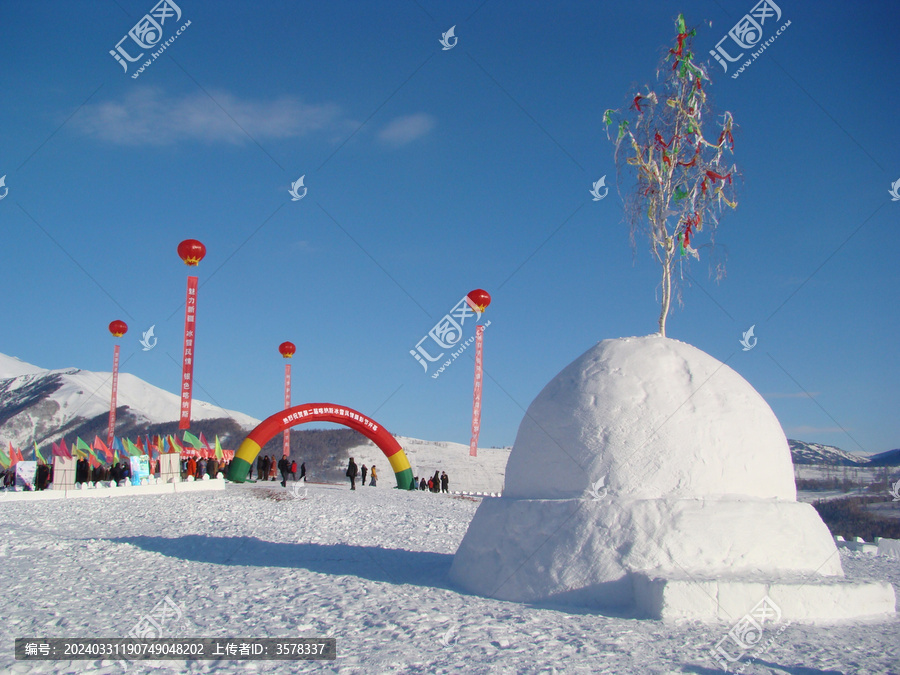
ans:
(248, 451)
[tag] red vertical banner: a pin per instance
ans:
(187, 361)
(476, 396)
(287, 404)
(112, 405)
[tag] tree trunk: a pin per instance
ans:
(666, 285)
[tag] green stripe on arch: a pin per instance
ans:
(404, 479)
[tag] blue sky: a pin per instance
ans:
(432, 172)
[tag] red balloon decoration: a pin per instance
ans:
(287, 349)
(480, 298)
(118, 328)
(191, 251)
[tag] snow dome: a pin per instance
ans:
(648, 475)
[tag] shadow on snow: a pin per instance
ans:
(368, 562)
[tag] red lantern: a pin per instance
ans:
(118, 328)
(479, 299)
(287, 349)
(191, 251)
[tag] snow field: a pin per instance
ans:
(367, 567)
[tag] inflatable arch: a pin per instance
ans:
(320, 412)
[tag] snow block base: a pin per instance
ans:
(585, 551)
(802, 601)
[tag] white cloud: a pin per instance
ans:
(147, 116)
(406, 129)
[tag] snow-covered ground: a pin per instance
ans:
(368, 568)
(483, 473)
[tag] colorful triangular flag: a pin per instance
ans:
(191, 440)
(100, 446)
(82, 449)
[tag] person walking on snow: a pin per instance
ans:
(284, 466)
(303, 471)
(362, 472)
(374, 477)
(294, 470)
(351, 473)
(445, 482)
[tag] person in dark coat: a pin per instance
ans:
(423, 484)
(43, 476)
(445, 482)
(303, 471)
(352, 471)
(81, 471)
(362, 471)
(265, 468)
(436, 481)
(260, 466)
(284, 465)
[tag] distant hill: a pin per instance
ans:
(41, 406)
(889, 458)
(816, 453)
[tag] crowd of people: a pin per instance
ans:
(198, 468)
(267, 469)
(437, 483)
(440, 482)
(84, 473)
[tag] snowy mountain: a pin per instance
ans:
(38, 405)
(889, 458)
(816, 453)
